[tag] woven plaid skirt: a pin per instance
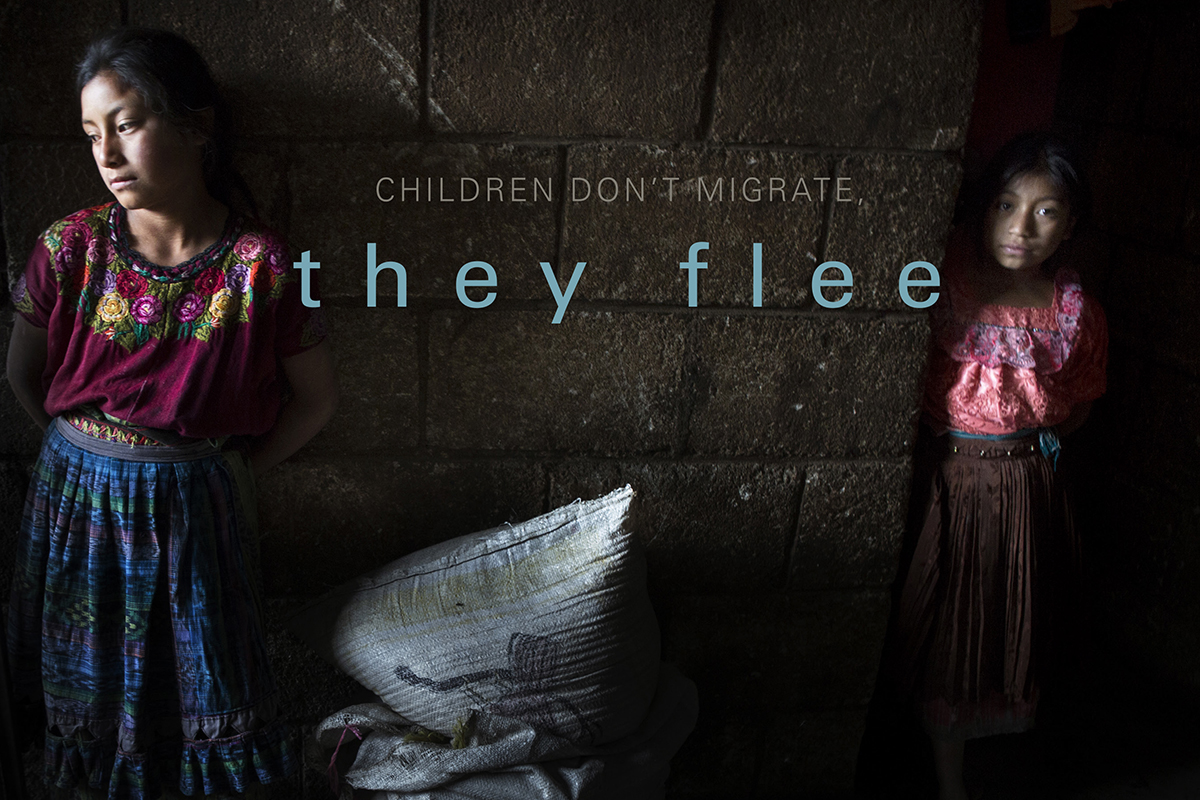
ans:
(135, 620)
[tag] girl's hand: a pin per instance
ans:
(314, 399)
(26, 363)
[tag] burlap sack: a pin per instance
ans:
(547, 621)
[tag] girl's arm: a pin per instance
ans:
(314, 399)
(26, 363)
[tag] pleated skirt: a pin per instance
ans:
(135, 622)
(990, 588)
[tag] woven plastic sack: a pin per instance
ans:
(547, 621)
(504, 758)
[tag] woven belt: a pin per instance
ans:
(1029, 440)
(161, 453)
(95, 423)
(101, 428)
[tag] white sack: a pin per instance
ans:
(506, 759)
(547, 621)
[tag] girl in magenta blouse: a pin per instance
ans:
(152, 341)
(1018, 354)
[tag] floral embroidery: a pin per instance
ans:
(112, 308)
(188, 307)
(147, 309)
(1041, 350)
(248, 246)
(222, 307)
(103, 281)
(210, 281)
(131, 285)
(130, 301)
(239, 278)
(100, 251)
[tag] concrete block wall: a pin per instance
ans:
(769, 445)
(1128, 94)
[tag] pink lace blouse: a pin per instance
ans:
(999, 369)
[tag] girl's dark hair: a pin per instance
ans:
(1039, 153)
(175, 82)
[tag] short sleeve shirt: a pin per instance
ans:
(1000, 369)
(193, 348)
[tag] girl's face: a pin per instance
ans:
(146, 162)
(1027, 222)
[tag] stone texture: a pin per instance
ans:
(706, 527)
(856, 74)
(851, 525)
(324, 523)
(827, 651)
(264, 167)
(310, 688)
(376, 360)
(724, 425)
(726, 643)
(585, 67)
(42, 43)
(634, 247)
(811, 754)
(35, 784)
(718, 760)
(907, 204)
(597, 382)
(289, 788)
(14, 482)
(315, 780)
(43, 183)
(21, 437)
(811, 386)
(337, 212)
(326, 70)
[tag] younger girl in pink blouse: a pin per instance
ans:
(1018, 354)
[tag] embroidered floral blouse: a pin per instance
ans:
(999, 369)
(193, 348)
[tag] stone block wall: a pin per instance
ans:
(1128, 94)
(769, 446)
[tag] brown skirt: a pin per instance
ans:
(993, 570)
